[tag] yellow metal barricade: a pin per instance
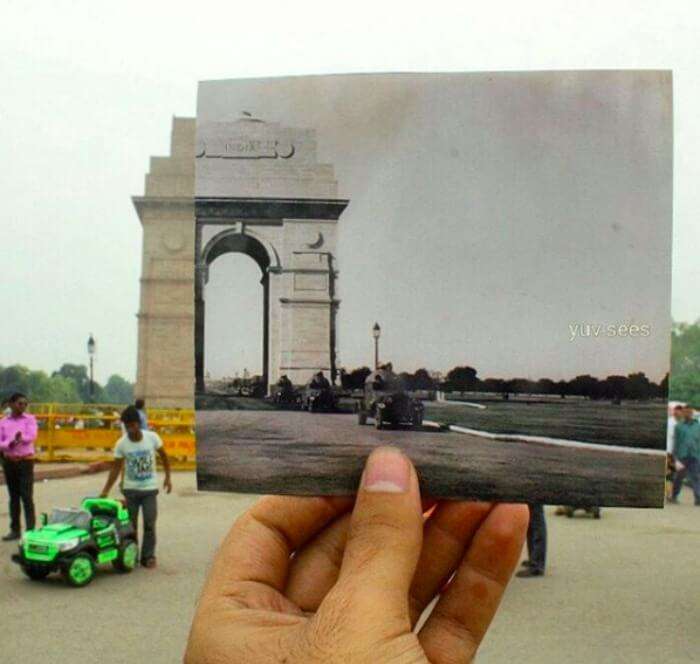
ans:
(88, 432)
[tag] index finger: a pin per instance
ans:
(259, 545)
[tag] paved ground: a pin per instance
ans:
(54, 471)
(297, 452)
(139, 617)
(622, 589)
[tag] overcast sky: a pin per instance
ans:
(88, 92)
(488, 213)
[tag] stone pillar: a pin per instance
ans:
(200, 270)
(165, 371)
(265, 281)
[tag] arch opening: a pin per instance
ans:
(224, 287)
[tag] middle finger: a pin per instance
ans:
(447, 535)
(315, 567)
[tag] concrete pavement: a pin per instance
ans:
(54, 471)
(622, 589)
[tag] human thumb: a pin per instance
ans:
(384, 540)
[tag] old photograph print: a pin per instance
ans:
(474, 268)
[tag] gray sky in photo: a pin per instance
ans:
(89, 89)
(488, 213)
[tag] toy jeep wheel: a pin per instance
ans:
(80, 570)
(35, 572)
(128, 556)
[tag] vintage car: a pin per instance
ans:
(285, 396)
(318, 396)
(255, 389)
(318, 399)
(387, 402)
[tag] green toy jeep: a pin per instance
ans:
(74, 540)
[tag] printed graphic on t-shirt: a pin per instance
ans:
(139, 465)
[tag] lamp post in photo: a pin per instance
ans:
(376, 332)
(91, 354)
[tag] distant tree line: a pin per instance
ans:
(70, 384)
(683, 385)
(465, 379)
(633, 386)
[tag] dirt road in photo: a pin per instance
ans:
(322, 453)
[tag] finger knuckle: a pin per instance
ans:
(378, 526)
(455, 631)
(333, 615)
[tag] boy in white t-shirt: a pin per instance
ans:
(136, 452)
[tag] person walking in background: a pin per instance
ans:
(686, 452)
(536, 544)
(140, 405)
(675, 415)
(18, 431)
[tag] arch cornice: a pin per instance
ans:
(269, 208)
(240, 239)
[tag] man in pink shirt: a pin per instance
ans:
(18, 432)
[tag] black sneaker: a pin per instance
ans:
(11, 536)
(526, 563)
(530, 571)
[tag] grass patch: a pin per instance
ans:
(629, 424)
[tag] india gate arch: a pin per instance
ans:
(229, 242)
(245, 178)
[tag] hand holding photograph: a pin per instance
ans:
(474, 268)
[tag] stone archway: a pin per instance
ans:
(259, 188)
(255, 179)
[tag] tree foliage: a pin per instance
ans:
(355, 379)
(684, 384)
(461, 379)
(635, 386)
(118, 390)
(70, 384)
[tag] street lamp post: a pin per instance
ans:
(91, 354)
(376, 331)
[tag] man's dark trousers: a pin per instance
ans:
(148, 503)
(537, 538)
(19, 476)
(692, 470)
